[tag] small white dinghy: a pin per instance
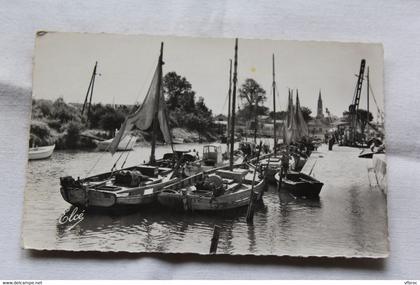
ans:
(40, 152)
(127, 143)
(177, 140)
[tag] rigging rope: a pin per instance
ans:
(170, 130)
(97, 161)
(128, 152)
(142, 90)
(151, 69)
(224, 104)
(115, 164)
(380, 112)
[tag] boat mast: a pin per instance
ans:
(157, 106)
(255, 120)
(354, 107)
(89, 92)
(229, 103)
(367, 91)
(274, 107)
(232, 130)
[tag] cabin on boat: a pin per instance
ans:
(212, 154)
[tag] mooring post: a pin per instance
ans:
(251, 209)
(215, 240)
(261, 193)
(265, 174)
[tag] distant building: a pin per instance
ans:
(265, 127)
(220, 126)
(220, 117)
(268, 129)
(220, 123)
(320, 112)
(318, 127)
(320, 124)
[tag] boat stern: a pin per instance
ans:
(171, 199)
(73, 191)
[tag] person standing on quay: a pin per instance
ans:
(285, 160)
(331, 142)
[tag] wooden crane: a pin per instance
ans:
(354, 107)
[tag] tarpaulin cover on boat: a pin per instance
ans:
(143, 118)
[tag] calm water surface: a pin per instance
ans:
(348, 219)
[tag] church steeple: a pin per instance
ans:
(320, 112)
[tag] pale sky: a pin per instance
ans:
(64, 63)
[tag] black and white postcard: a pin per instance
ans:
(209, 146)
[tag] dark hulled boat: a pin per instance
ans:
(300, 184)
(366, 153)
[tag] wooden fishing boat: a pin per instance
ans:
(217, 190)
(40, 152)
(132, 186)
(249, 149)
(300, 184)
(127, 143)
(176, 159)
(271, 163)
(299, 161)
(212, 158)
(294, 130)
(368, 153)
(269, 167)
(135, 186)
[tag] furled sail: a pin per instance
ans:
(295, 127)
(301, 126)
(144, 117)
(289, 124)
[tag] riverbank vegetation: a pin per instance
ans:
(62, 123)
(189, 117)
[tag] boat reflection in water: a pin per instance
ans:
(286, 198)
(155, 229)
(336, 223)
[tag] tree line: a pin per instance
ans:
(253, 97)
(62, 123)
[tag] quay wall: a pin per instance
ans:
(379, 166)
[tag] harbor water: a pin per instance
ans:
(349, 219)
